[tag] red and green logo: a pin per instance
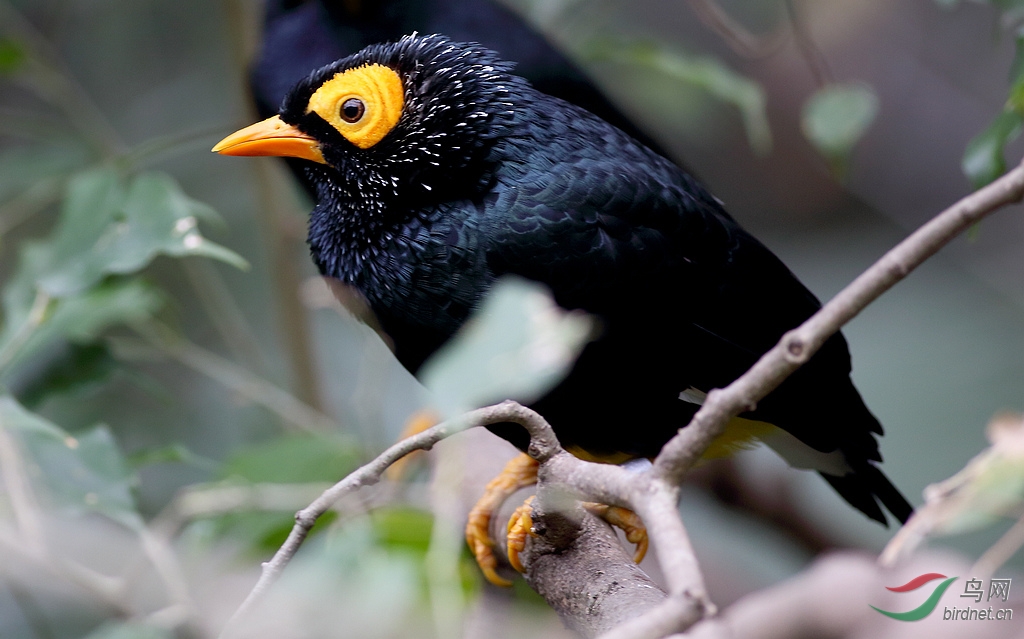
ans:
(929, 605)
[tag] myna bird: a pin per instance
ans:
(437, 171)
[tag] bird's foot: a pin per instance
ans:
(520, 526)
(625, 520)
(418, 422)
(519, 472)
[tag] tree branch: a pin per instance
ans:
(797, 346)
(560, 560)
(646, 491)
(369, 474)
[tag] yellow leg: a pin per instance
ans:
(418, 422)
(627, 521)
(520, 524)
(520, 472)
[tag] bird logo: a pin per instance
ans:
(929, 604)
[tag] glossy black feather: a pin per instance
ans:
(484, 176)
(303, 35)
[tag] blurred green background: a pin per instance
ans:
(212, 372)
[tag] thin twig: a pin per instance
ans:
(278, 215)
(734, 34)
(808, 49)
(35, 318)
(254, 388)
(444, 588)
(161, 555)
(57, 85)
(1000, 552)
(370, 474)
(797, 346)
(24, 205)
(226, 316)
(22, 500)
(210, 500)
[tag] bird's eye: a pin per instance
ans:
(352, 110)
(362, 103)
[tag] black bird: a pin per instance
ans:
(438, 171)
(299, 35)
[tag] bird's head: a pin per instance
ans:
(412, 119)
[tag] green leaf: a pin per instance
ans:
(77, 474)
(989, 488)
(1011, 12)
(983, 159)
(12, 55)
(173, 454)
(104, 229)
(403, 527)
(703, 72)
(263, 532)
(1015, 97)
(836, 117)
(345, 580)
(293, 459)
(83, 318)
(517, 346)
(77, 368)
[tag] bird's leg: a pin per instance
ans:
(418, 422)
(519, 472)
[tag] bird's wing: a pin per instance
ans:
(622, 238)
(635, 241)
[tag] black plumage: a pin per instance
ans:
(484, 176)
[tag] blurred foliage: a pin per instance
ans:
(71, 474)
(518, 345)
(835, 118)
(80, 308)
(988, 490)
(705, 73)
(984, 159)
(89, 233)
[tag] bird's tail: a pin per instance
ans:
(865, 487)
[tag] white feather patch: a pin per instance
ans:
(693, 396)
(799, 455)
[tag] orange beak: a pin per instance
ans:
(271, 137)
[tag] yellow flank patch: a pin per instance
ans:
(363, 104)
(610, 458)
(739, 434)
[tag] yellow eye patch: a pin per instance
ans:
(363, 103)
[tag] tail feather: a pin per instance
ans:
(865, 487)
(889, 495)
